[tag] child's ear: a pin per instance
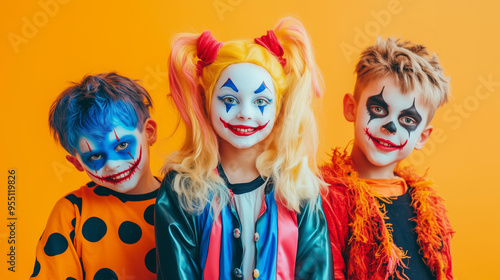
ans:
(150, 131)
(75, 162)
(424, 136)
(349, 107)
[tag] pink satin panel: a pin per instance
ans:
(288, 234)
(211, 271)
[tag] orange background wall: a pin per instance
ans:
(47, 43)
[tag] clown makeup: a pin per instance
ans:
(243, 109)
(388, 123)
(115, 161)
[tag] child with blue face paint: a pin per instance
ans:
(103, 230)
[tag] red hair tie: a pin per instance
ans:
(207, 50)
(271, 43)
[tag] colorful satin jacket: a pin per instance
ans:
(289, 245)
(361, 241)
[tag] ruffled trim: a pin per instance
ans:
(371, 236)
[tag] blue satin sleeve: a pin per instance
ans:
(177, 250)
(314, 255)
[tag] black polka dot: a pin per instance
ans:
(129, 232)
(73, 222)
(70, 278)
(149, 214)
(56, 244)
(72, 236)
(150, 260)
(105, 274)
(94, 229)
(36, 270)
(75, 200)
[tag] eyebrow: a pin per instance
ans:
(261, 88)
(230, 85)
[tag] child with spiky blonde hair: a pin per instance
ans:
(387, 222)
(241, 197)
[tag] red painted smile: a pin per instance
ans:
(384, 145)
(121, 177)
(243, 130)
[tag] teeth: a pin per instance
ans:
(121, 176)
(384, 144)
(244, 129)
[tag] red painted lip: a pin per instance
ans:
(237, 129)
(113, 179)
(384, 145)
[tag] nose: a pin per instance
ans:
(245, 112)
(390, 127)
(111, 165)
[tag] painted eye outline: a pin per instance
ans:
(383, 112)
(95, 157)
(403, 123)
(267, 101)
(225, 99)
(122, 146)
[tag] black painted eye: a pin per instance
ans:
(407, 121)
(377, 110)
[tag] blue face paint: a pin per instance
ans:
(113, 147)
(230, 85)
(262, 102)
(261, 88)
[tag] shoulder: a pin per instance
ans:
(166, 184)
(75, 198)
(424, 196)
(420, 185)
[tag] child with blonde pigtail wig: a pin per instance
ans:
(240, 199)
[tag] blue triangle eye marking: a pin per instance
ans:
(228, 105)
(230, 85)
(261, 88)
(261, 107)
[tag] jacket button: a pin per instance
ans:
(256, 273)
(256, 237)
(236, 233)
(237, 273)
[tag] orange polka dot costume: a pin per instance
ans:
(97, 233)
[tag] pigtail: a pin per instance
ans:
(291, 156)
(194, 162)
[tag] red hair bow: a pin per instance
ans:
(271, 43)
(207, 50)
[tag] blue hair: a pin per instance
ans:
(95, 106)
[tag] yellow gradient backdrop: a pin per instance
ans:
(45, 44)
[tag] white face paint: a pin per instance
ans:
(117, 161)
(243, 105)
(388, 123)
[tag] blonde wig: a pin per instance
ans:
(289, 157)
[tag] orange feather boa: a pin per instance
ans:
(371, 253)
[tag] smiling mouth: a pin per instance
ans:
(383, 144)
(121, 177)
(243, 130)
